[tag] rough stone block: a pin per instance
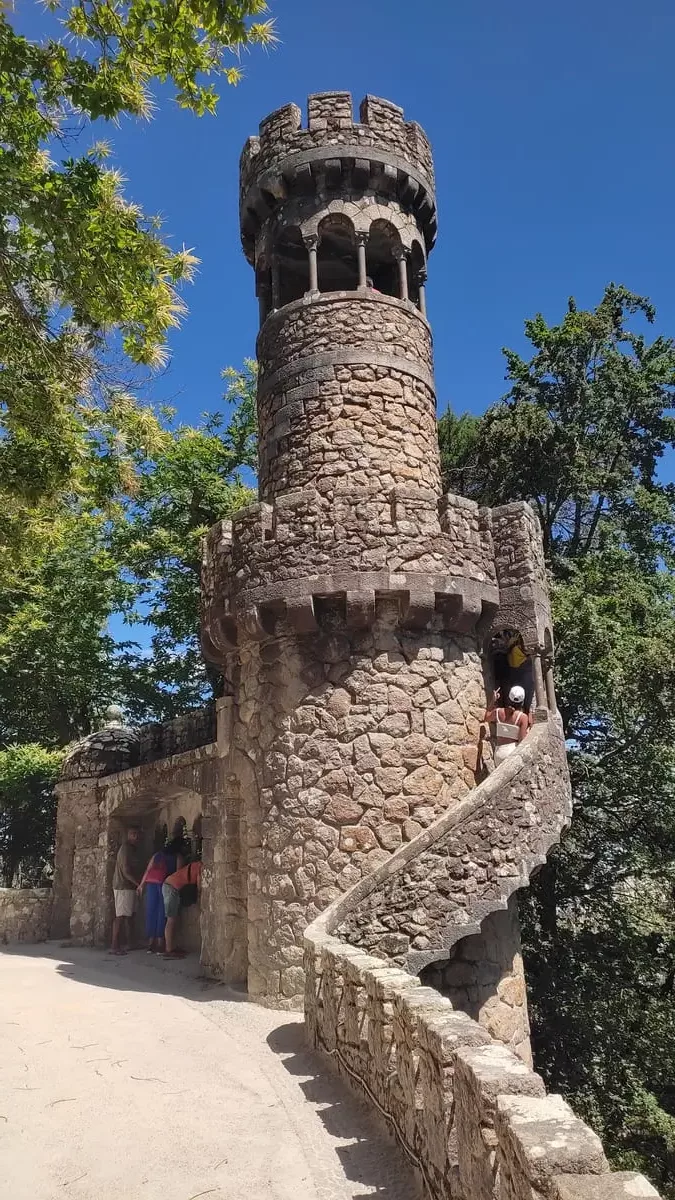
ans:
(539, 1138)
(613, 1185)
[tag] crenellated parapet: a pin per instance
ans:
(381, 153)
(465, 567)
(278, 567)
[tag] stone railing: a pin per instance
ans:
(473, 1118)
(438, 888)
(25, 914)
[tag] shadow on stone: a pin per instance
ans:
(372, 1158)
(134, 972)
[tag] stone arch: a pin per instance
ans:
(383, 253)
(290, 269)
(501, 643)
(336, 254)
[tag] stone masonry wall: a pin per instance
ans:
(474, 1120)
(439, 890)
(346, 375)
(445, 900)
(350, 745)
(521, 574)
(25, 914)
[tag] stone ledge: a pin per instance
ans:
(541, 1137)
(472, 1117)
(135, 775)
(612, 1185)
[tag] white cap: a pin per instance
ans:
(517, 694)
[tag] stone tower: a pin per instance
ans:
(351, 608)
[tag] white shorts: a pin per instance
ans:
(504, 751)
(125, 902)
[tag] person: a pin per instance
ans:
(125, 883)
(188, 876)
(510, 721)
(163, 863)
(370, 285)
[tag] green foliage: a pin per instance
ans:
(459, 440)
(82, 270)
(192, 480)
(27, 811)
(580, 435)
(126, 543)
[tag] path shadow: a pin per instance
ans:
(372, 1159)
(136, 971)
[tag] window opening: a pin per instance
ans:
(336, 255)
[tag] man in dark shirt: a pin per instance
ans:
(126, 879)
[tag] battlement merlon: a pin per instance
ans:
(524, 602)
(381, 152)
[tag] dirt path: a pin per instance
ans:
(121, 1081)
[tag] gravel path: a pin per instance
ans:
(121, 1079)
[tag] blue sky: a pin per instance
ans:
(552, 129)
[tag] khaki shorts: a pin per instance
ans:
(125, 902)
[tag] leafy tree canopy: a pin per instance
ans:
(86, 282)
(125, 545)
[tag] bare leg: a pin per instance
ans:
(169, 933)
(116, 929)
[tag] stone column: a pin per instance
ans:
(311, 244)
(539, 688)
(361, 243)
(264, 299)
(402, 259)
(485, 978)
(275, 283)
(422, 292)
(550, 687)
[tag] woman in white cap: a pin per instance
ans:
(511, 723)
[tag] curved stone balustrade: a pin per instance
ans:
(439, 887)
(473, 1118)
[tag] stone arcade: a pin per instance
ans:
(358, 850)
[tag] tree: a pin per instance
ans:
(85, 278)
(193, 480)
(27, 811)
(127, 543)
(580, 435)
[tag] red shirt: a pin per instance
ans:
(190, 874)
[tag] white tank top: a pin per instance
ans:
(510, 733)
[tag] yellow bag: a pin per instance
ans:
(515, 657)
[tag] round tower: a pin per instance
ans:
(348, 607)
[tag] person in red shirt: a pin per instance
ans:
(189, 876)
(161, 865)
